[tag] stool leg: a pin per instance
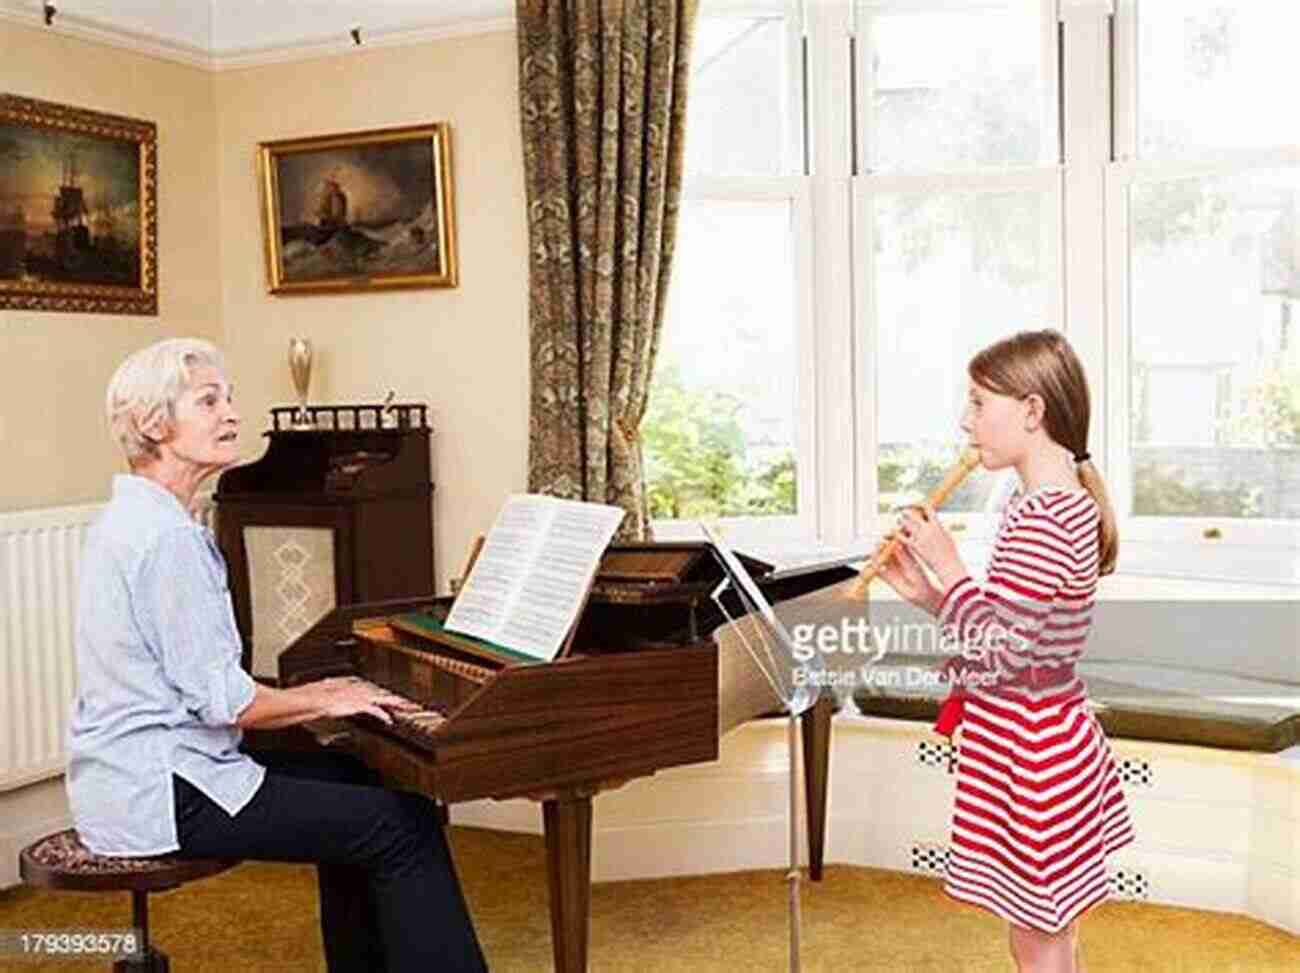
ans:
(151, 960)
(140, 917)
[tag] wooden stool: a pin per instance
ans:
(61, 861)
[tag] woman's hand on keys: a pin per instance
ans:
(349, 696)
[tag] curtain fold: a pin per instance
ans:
(602, 93)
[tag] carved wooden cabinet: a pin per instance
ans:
(332, 515)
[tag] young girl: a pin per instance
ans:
(1039, 804)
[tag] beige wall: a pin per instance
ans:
(53, 367)
(462, 350)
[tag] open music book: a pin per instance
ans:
(531, 578)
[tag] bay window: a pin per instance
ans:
(876, 190)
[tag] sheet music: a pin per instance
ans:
(531, 577)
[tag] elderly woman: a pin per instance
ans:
(156, 764)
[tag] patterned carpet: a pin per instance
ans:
(263, 917)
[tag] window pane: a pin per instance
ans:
(1215, 384)
(954, 272)
(719, 434)
(954, 88)
(736, 114)
(1207, 72)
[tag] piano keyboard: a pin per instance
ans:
(423, 721)
(418, 725)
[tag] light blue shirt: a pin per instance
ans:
(159, 681)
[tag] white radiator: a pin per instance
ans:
(40, 558)
(40, 554)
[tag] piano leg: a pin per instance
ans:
(816, 770)
(568, 868)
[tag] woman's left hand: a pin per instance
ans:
(920, 531)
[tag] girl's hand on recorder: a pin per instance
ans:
(903, 573)
(921, 533)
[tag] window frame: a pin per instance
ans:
(793, 188)
(976, 527)
(1263, 550)
(832, 202)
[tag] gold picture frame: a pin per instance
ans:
(78, 209)
(363, 211)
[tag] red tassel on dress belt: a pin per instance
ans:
(951, 714)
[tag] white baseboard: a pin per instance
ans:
(1274, 897)
(1215, 829)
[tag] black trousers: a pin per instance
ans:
(389, 895)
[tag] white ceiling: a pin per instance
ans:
(220, 31)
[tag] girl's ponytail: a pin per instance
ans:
(1107, 530)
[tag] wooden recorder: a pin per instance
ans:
(970, 459)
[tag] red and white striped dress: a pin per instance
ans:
(1039, 803)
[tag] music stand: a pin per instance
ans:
(773, 651)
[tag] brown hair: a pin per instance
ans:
(1043, 363)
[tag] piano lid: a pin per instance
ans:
(658, 573)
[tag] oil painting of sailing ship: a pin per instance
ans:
(360, 211)
(76, 225)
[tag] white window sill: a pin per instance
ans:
(1149, 565)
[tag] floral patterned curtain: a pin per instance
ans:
(602, 93)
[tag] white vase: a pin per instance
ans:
(300, 369)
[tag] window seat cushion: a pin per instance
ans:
(1132, 700)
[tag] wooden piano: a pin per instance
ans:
(640, 688)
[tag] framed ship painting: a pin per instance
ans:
(365, 211)
(78, 209)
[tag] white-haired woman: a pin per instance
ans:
(155, 759)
